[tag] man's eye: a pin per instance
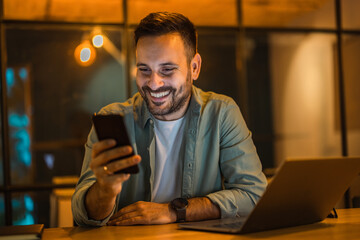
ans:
(144, 70)
(167, 71)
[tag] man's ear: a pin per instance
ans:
(195, 66)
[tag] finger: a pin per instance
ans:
(104, 172)
(130, 208)
(101, 146)
(130, 221)
(124, 217)
(123, 163)
(107, 155)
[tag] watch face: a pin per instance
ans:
(180, 203)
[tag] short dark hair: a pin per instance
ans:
(159, 23)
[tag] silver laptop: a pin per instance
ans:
(303, 191)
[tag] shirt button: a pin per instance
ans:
(190, 165)
(151, 121)
(192, 131)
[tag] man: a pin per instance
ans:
(196, 157)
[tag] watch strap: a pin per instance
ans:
(180, 215)
(179, 205)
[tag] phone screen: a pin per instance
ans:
(113, 127)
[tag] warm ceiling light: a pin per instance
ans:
(98, 41)
(85, 54)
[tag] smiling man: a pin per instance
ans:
(164, 78)
(196, 157)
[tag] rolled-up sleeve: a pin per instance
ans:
(243, 179)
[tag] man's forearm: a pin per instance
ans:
(161, 213)
(98, 204)
(201, 209)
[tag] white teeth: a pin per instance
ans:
(160, 94)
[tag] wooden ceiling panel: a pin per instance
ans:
(288, 13)
(200, 12)
(256, 13)
(19, 9)
(109, 11)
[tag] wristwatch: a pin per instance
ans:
(180, 205)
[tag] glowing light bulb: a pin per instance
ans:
(85, 54)
(98, 41)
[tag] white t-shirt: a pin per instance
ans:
(168, 166)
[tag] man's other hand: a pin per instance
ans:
(144, 213)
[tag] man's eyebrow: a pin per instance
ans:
(162, 64)
(141, 65)
(169, 64)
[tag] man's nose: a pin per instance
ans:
(155, 81)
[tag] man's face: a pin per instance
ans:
(163, 75)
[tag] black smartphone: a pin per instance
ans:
(112, 126)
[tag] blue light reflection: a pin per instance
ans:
(10, 79)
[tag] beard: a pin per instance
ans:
(179, 98)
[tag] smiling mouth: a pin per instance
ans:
(160, 94)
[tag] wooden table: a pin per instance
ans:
(347, 226)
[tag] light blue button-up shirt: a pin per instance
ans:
(218, 154)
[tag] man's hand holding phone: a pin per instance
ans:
(105, 167)
(112, 161)
(101, 197)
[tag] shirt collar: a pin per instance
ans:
(141, 111)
